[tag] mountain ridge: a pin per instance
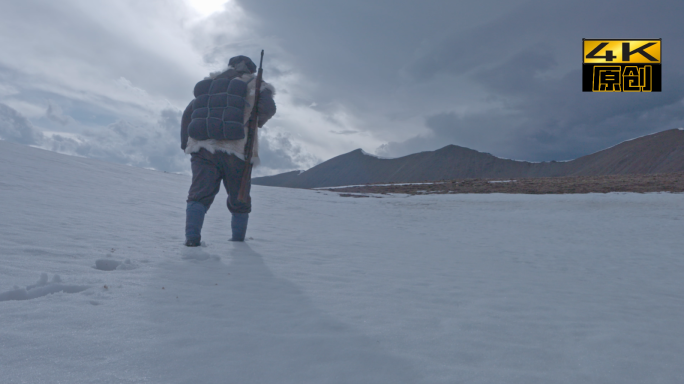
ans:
(660, 152)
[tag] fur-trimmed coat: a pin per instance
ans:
(267, 109)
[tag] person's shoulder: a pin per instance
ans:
(202, 87)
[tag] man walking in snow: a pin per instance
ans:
(214, 132)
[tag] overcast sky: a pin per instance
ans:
(109, 78)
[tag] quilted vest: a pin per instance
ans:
(218, 109)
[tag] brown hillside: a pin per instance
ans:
(662, 152)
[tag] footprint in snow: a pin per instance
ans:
(111, 265)
(41, 288)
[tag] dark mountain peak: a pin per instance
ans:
(357, 153)
(452, 148)
(360, 151)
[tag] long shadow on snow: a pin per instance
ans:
(239, 323)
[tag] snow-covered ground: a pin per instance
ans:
(95, 286)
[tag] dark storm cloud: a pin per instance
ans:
(528, 65)
(544, 118)
(354, 46)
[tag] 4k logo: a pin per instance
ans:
(621, 65)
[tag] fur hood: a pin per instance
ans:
(246, 77)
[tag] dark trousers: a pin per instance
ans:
(208, 170)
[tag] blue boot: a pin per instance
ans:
(194, 218)
(239, 226)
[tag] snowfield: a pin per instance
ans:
(96, 287)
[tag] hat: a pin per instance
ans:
(235, 61)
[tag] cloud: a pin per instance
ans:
(54, 113)
(15, 127)
(83, 71)
(279, 153)
(524, 69)
(345, 132)
(152, 146)
(500, 76)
